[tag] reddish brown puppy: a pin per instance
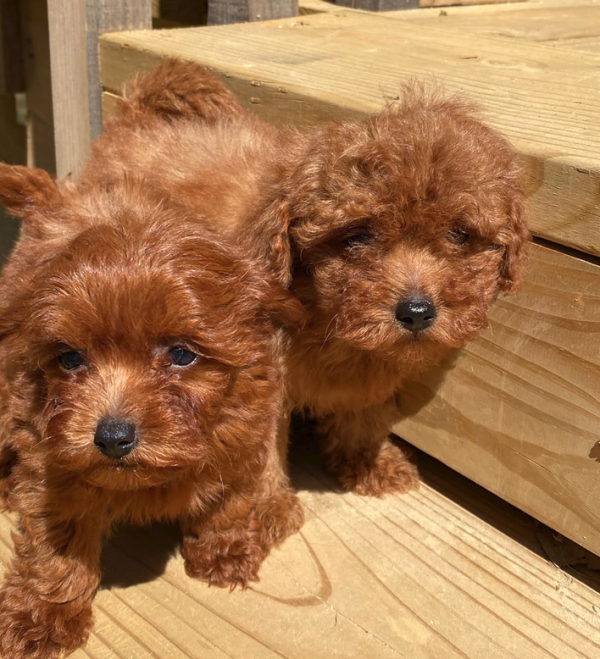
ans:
(137, 382)
(396, 232)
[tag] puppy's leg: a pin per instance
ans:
(45, 602)
(279, 511)
(223, 547)
(227, 547)
(362, 455)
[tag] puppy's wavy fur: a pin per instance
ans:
(355, 217)
(122, 274)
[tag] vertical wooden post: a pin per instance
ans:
(68, 70)
(109, 16)
(241, 11)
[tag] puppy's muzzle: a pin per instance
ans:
(416, 314)
(115, 438)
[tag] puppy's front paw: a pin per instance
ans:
(222, 561)
(34, 629)
(391, 471)
(280, 516)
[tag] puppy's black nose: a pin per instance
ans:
(416, 314)
(115, 438)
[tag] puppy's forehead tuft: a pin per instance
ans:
(136, 287)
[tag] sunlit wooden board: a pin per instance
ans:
(449, 572)
(340, 64)
(572, 25)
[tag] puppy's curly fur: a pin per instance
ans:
(118, 304)
(422, 201)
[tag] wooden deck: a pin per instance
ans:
(449, 572)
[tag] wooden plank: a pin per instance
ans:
(57, 106)
(12, 73)
(222, 12)
(341, 64)
(70, 107)
(109, 16)
(573, 26)
(448, 572)
(41, 150)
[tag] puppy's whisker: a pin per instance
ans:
(329, 332)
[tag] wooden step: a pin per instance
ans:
(449, 572)
(340, 64)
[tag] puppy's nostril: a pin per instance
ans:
(115, 438)
(416, 314)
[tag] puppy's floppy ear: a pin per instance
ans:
(24, 190)
(516, 247)
(273, 238)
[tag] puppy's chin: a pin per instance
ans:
(130, 476)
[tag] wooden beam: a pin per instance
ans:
(221, 12)
(341, 64)
(41, 151)
(109, 16)
(57, 105)
(67, 37)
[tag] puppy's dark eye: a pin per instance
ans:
(182, 356)
(458, 237)
(71, 359)
(358, 239)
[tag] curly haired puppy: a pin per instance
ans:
(137, 382)
(396, 232)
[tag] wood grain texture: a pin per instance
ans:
(41, 150)
(573, 26)
(342, 64)
(108, 16)
(70, 108)
(448, 572)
